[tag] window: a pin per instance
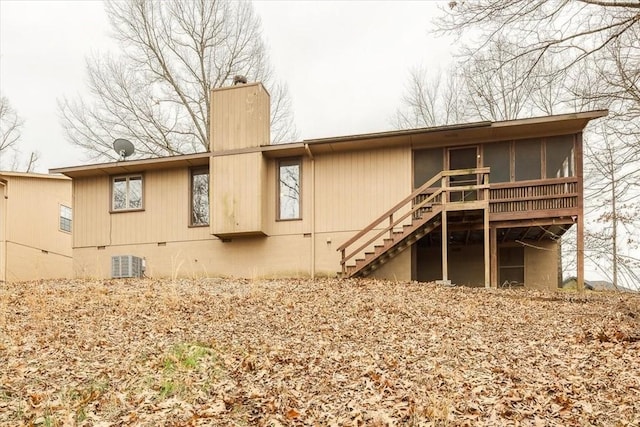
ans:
(65, 218)
(289, 189)
(126, 193)
(199, 197)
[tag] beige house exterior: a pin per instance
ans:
(35, 227)
(502, 194)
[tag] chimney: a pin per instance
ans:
(240, 116)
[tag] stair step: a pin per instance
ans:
(423, 222)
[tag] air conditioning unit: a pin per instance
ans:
(126, 266)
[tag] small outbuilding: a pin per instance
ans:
(35, 227)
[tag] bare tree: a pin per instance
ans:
(611, 183)
(157, 91)
(431, 99)
(25, 165)
(576, 29)
(485, 86)
(497, 89)
(10, 124)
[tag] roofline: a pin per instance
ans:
(32, 175)
(301, 146)
(130, 163)
(588, 115)
(584, 115)
(392, 133)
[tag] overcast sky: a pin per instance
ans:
(346, 63)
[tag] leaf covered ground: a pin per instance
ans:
(324, 352)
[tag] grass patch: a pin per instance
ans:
(186, 369)
(186, 356)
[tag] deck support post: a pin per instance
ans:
(580, 218)
(493, 247)
(487, 246)
(445, 242)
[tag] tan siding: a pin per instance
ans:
(283, 256)
(354, 188)
(397, 269)
(3, 229)
(33, 213)
(28, 263)
(32, 246)
(165, 216)
(541, 265)
(236, 194)
(92, 199)
(239, 117)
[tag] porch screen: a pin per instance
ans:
(426, 164)
(497, 157)
(528, 159)
(560, 157)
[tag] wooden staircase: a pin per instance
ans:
(407, 222)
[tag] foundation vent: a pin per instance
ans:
(126, 266)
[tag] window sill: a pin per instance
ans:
(288, 219)
(197, 225)
(125, 210)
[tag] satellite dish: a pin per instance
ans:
(124, 148)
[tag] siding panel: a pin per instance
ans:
(236, 194)
(165, 216)
(354, 188)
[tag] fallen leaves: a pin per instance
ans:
(325, 352)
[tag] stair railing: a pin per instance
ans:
(443, 192)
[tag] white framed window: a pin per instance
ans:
(289, 187)
(66, 218)
(126, 193)
(199, 209)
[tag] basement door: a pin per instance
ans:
(463, 158)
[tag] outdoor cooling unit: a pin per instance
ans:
(126, 266)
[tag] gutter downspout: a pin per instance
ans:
(313, 211)
(3, 242)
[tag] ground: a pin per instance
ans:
(326, 352)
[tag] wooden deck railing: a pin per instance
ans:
(412, 207)
(548, 194)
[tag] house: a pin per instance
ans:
(35, 226)
(476, 204)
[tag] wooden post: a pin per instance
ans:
(580, 219)
(489, 245)
(445, 238)
(493, 246)
(487, 259)
(390, 224)
(445, 234)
